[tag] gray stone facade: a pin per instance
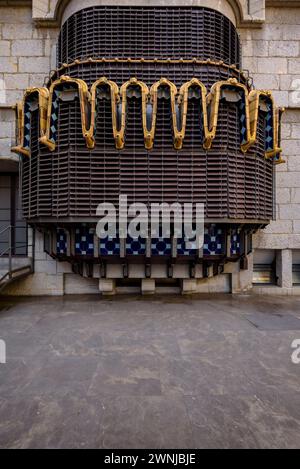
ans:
(270, 33)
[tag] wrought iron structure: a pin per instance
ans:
(151, 103)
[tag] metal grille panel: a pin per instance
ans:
(149, 32)
(69, 183)
(73, 180)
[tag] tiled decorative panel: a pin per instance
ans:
(243, 120)
(235, 243)
(161, 247)
(54, 115)
(109, 247)
(214, 241)
(135, 247)
(184, 250)
(27, 125)
(84, 241)
(269, 131)
(55, 109)
(61, 241)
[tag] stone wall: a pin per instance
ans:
(241, 12)
(27, 54)
(272, 55)
(271, 52)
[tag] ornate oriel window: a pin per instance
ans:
(150, 102)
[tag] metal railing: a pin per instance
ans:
(9, 252)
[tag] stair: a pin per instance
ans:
(14, 267)
(18, 273)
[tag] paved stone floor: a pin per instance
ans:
(165, 372)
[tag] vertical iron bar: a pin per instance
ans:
(10, 251)
(33, 249)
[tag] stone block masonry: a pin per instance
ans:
(25, 51)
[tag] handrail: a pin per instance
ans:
(14, 271)
(4, 252)
(7, 228)
(13, 227)
(9, 250)
(19, 246)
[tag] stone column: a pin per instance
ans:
(284, 268)
(107, 286)
(148, 286)
(189, 286)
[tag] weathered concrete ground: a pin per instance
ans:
(150, 373)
